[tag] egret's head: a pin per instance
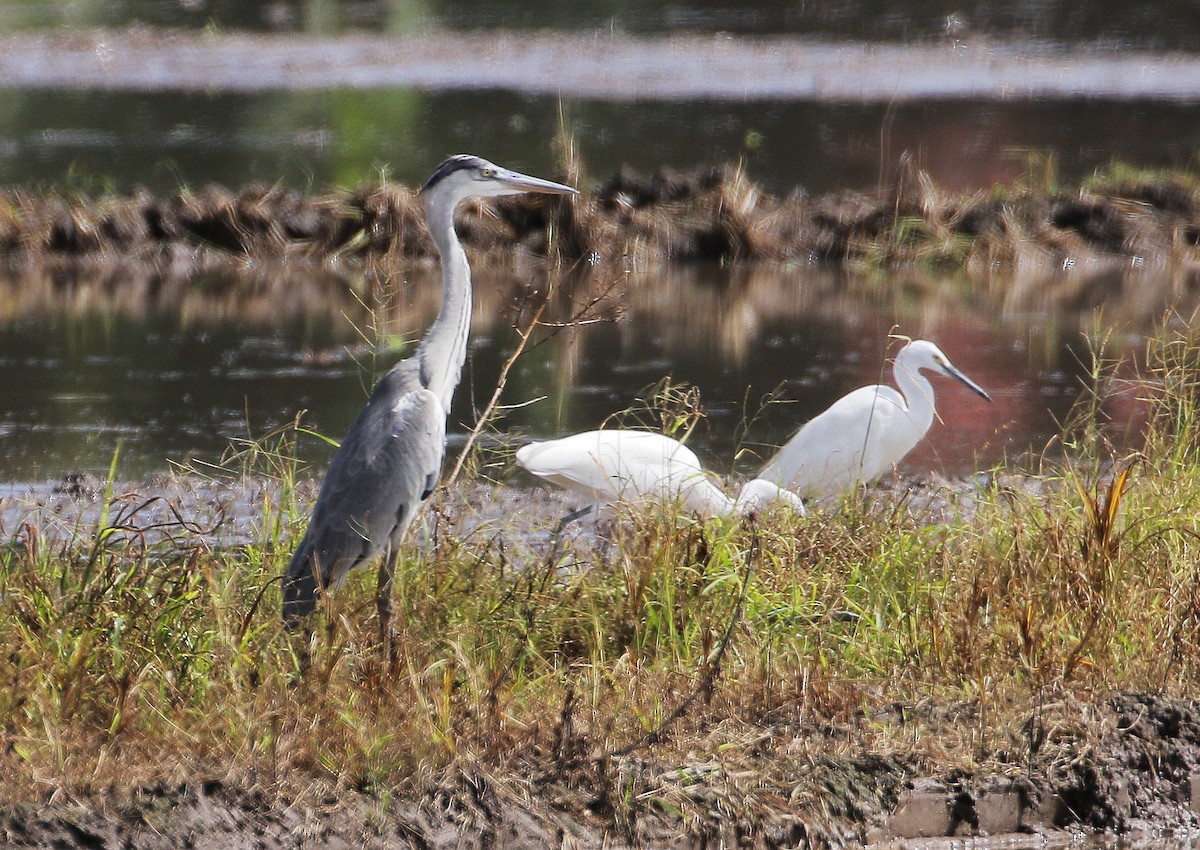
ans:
(759, 494)
(467, 176)
(923, 354)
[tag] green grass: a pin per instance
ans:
(130, 655)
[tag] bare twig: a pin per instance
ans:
(581, 316)
(493, 403)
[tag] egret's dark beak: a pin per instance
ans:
(954, 373)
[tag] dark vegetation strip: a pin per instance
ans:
(718, 214)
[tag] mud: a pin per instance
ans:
(718, 214)
(1134, 773)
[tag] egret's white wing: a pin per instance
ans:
(852, 441)
(616, 464)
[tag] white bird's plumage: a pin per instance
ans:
(867, 432)
(391, 458)
(618, 465)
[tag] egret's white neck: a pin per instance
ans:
(444, 348)
(917, 391)
(759, 494)
(705, 498)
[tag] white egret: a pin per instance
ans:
(618, 465)
(867, 432)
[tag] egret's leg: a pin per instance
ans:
(574, 515)
(383, 604)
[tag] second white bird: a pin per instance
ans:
(864, 434)
(620, 465)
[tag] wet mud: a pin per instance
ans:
(1134, 773)
(718, 214)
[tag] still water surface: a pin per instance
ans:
(1159, 24)
(176, 374)
(316, 139)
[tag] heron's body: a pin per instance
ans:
(620, 466)
(398, 437)
(865, 433)
(391, 458)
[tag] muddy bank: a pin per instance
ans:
(718, 214)
(787, 775)
(1130, 766)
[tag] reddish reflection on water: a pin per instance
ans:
(178, 372)
(741, 337)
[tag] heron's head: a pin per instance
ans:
(923, 354)
(467, 176)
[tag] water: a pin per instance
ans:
(102, 111)
(175, 374)
(98, 140)
(177, 370)
(1161, 25)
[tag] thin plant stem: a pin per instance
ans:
(485, 416)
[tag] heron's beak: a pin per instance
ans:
(524, 183)
(954, 373)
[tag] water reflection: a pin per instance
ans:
(743, 334)
(315, 139)
(173, 369)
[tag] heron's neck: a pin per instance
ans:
(444, 348)
(917, 391)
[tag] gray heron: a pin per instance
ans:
(390, 460)
(865, 433)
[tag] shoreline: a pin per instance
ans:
(1122, 764)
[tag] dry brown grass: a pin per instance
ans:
(718, 214)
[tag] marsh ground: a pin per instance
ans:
(815, 729)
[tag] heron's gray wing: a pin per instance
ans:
(387, 465)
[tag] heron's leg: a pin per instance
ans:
(383, 603)
(301, 645)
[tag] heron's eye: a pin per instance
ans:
(485, 172)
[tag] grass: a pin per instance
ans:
(134, 653)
